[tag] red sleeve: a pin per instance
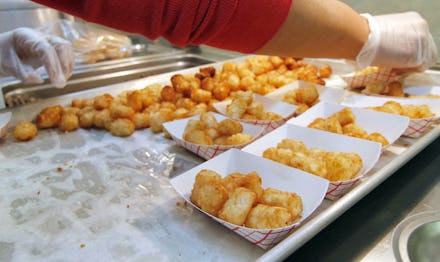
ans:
(242, 26)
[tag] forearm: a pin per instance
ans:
(319, 28)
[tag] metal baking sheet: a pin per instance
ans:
(88, 195)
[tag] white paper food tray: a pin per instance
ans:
(313, 138)
(311, 189)
(383, 75)
(422, 90)
(285, 110)
(4, 123)
(390, 126)
(416, 127)
(177, 127)
(326, 94)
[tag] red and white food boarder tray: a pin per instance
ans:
(177, 127)
(311, 189)
(390, 126)
(285, 110)
(383, 75)
(416, 127)
(368, 151)
(327, 94)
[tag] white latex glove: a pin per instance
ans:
(401, 41)
(23, 50)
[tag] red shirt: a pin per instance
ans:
(243, 26)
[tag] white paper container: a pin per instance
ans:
(390, 126)
(384, 75)
(311, 189)
(326, 94)
(416, 127)
(369, 151)
(4, 123)
(177, 127)
(423, 90)
(285, 110)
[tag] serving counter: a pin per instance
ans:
(91, 196)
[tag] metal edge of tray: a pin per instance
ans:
(142, 68)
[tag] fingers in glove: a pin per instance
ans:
(64, 52)
(16, 68)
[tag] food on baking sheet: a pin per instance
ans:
(208, 131)
(334, 166)
(303, 97)
(394, 88)
(344, 122)
(240, 199)
(244, 107)
(185, 96)
(25, 131)
(411, 111)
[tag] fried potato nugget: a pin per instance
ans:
(121, 127)
(238, 205)
(238, 139)
(69, 122)
(197, 136)
(25, 131)
(342, 165)
(49, 117)
(208, 192)
(307, 95)
(251, 181)
(345, 116)
(290, 201)
(229, 127)
(267, 217)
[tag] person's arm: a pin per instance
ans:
(319, 28)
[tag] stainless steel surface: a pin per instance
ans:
(15, 93)
(424, 242)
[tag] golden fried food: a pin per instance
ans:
(334, 166)
(229, 127)
(86, 119)
(290, 201)
(118, 110)
(268, 217)
(307, 95)
(121, 127)
(198, 137)
(343, 122)
(102, 118)
(49, 117)
(69, 122)
(135, 100)
(342, 165)
(238, 139)
(141, 120)
(411, 111)
(325, 71)
(238, 205)
(25, 131)
(208, 192)
(102, 101)
(251, 181)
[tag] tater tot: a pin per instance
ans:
(102, 101)
(221, 91)
(69, 122)
(238, 205)
(307, 95)
(345, 116)
(208, 192)
(49, 117)
(135, 100)
(25, 131)
(256, 109)
(293, 145)
(267, 217)
(236, 108)
(200, 95)
(342, 166)
(197, 137)
(102, 118)
(229, 127)
(209, 120)
(325, 71)
(141, 120)
(251, 181)
(238, 139)
(121, 127)
(158, 118)
(288, 200)
(121, 111)
(377, 137)
(86, 119)
(168, 93)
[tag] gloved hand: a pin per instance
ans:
(401, 41)
(23, 50)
